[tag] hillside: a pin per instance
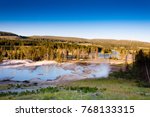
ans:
(7, 34)
(121, 43)
(99, 42)
(81, 41)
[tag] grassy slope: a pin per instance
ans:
(107, 89)
(116, 88)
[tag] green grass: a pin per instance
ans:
(113, 88)
(89, 89)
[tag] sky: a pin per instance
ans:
(107, 19)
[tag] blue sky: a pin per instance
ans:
(116, 19)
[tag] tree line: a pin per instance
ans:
(43, 50)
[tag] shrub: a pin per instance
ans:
(83, 89)
(49, 89)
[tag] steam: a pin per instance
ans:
(53, 70)
(102, 70)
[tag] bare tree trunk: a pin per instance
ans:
(147, 73)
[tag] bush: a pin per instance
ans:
(123, 74)
(144, 84)
(49, 89)
(83, 89)
(42, 90)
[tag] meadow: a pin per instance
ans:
(90, 89)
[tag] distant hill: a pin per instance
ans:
(7, 34)
(98, 42)
(81, 41)
(121, 43)
(59, 38)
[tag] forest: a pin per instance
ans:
(13, 46)
(43, 50)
